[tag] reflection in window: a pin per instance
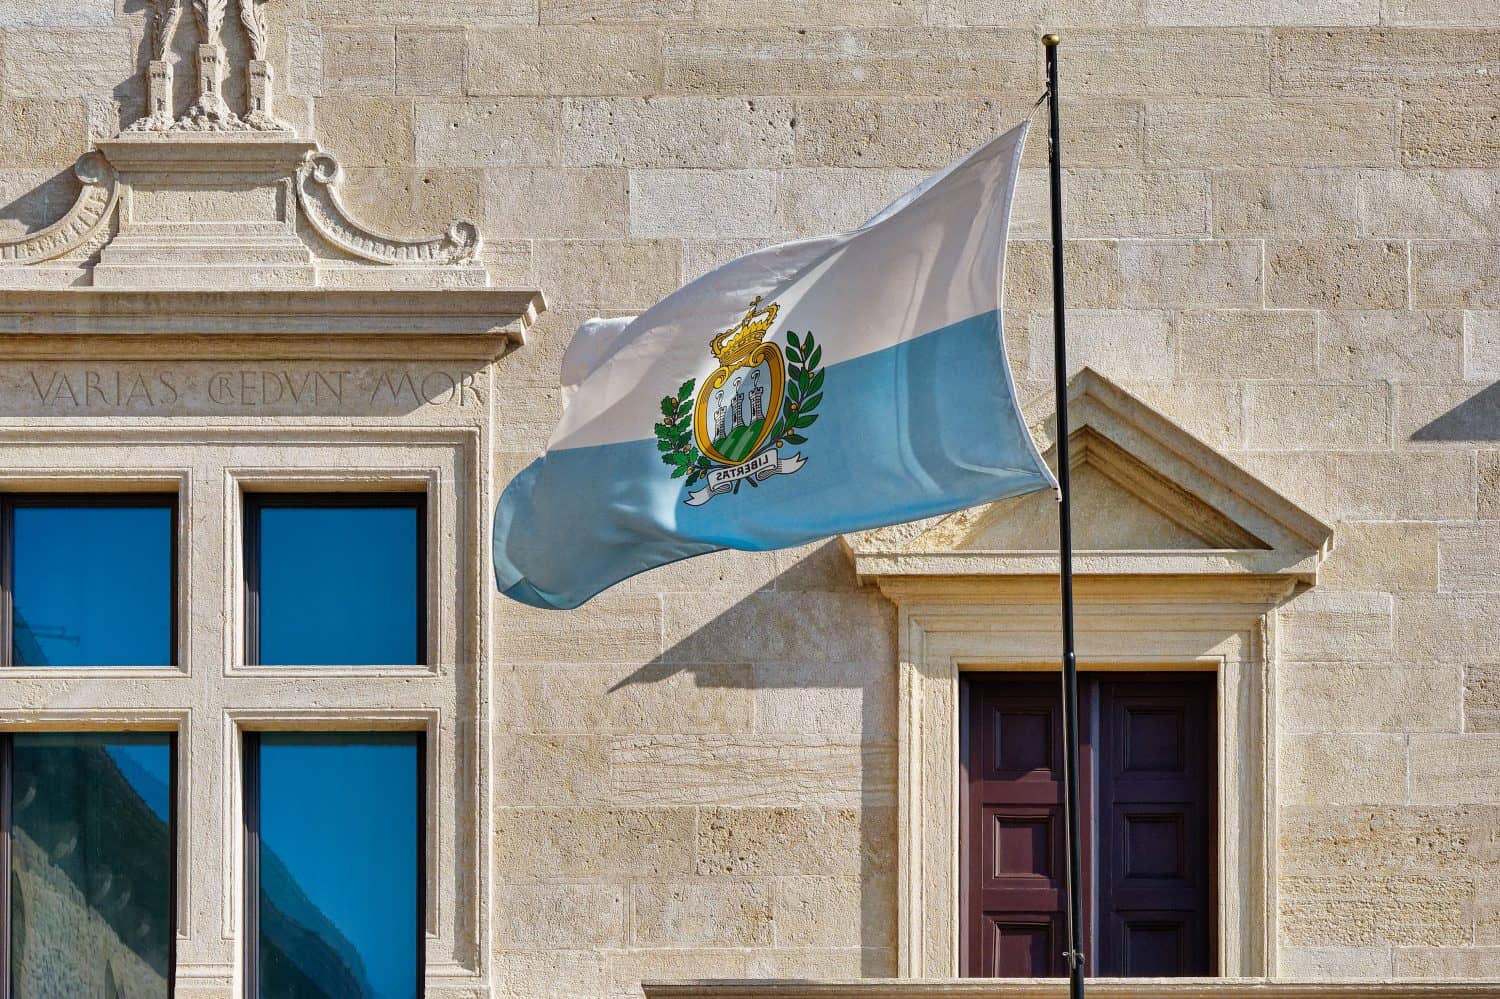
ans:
(335, 826)
(91, 865)
(91, 582)
(336, 580)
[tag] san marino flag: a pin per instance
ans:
(816, 387)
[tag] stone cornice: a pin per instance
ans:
(1177, 988)
(502, 313)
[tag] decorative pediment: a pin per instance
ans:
(229, 201)
(1149, 500)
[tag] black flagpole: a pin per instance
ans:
(1074, 953)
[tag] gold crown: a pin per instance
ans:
(735, 344)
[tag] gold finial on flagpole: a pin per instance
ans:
(1051, 39)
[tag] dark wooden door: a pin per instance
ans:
(1147, 767)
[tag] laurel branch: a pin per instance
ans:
(804, 391)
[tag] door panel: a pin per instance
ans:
(1147, 767)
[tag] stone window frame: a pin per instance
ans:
(1013, 624)
(208, 467)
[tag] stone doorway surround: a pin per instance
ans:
(1181, 560)
(208, 319)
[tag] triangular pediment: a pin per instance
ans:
(1148, 498)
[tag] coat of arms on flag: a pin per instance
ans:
(753, 404)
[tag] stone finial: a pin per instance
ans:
(165, 16)
(260, 78)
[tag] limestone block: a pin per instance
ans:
(430, 12)
(780, 770)
(1362, 769)
(1296, 417)
(1440, 204)
(1489, 485)
(1396, 346)
(430, 62)
(1177, 274)
(747, 842)
(1335, 274)
(495, 133)
(548, 62)
(678, 132)
(1286, 202)
(411, 200)
(900, 132)
(1452, 840)
(1211, 411)
(1455, 274)
(36, 133)
(1454, 415)
(1447, 627)
(1129, 344)
(1355, 910)
(1467, 557)
(1330, 625)
(1487, 916)
(510, 264)
(1448, 134)
(550, 769)
(1482, 697)
(831, 199)
(609, 629)
(1318, 963)
(780, 627)
(699, 914)
(826, 61)
(1092, 269)
(538, 844)
(699, 256)
(837, 13)
(1447, 962)
(1388, 556)
(1338, 697)
(628, 968)
(583, 699)
(1481, 345)
(359, 60)
(303, 76)
(703, 202)
(835, 911)
(56, 13)
(1412, 485)
(1455, 768)
(1277, 12)
(615, 11)
(556, 204)
(615, 274)
(1232, 132)
(1421, 12)
(1386, 62)
(367, 131)
(34, 199)
(822, 565)
(1007, 13)
(825, 963)
(1124, 203)
(1223, 62)
(848, 698)
(560, 916)
(1246, 344)
(557, 974)
(728, 575)
(66, 62)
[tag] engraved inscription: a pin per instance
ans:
(208, 388)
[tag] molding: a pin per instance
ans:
(502, 313)
(1180, 988)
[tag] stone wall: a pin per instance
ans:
(1285, 224)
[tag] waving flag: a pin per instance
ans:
(826, 385)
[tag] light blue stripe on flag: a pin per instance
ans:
(925, 427)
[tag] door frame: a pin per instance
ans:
(1157, 625)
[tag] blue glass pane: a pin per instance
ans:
(338, 586)
(93, 586)
(338, 866)
(91, 865)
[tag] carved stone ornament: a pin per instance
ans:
(320, 202)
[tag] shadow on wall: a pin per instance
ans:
(1475, 419)
(822, 655)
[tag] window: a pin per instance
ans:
(90, 580)
(1147, 770)
(89, 841)
(336, 579)
(334, 861)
